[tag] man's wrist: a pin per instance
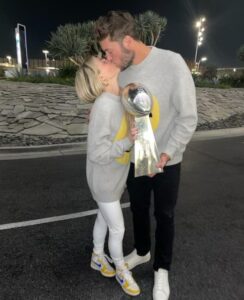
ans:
(165, 157)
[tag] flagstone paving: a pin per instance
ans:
(37, 114)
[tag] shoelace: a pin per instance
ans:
(127, 275)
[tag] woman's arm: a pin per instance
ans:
(101, 147)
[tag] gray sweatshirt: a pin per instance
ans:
(107, 163)
(174, 112)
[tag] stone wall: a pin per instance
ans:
(51, 113)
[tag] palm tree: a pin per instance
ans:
(241, 53)
(149, 26)
(77, 41)
(73, 41)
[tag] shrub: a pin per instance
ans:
(1, 72)
(210, 72)
(44, 79)
(68, 71)
(233, 80)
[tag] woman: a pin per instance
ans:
(108, 146)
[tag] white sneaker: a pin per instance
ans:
(101, 263)
(127, 282)
(161, 285)
(133, 259)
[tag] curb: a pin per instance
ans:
(25, 152)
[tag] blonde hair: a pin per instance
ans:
(87, 84)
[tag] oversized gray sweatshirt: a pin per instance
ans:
(174, 112)
(107, 163)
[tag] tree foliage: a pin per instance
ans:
(241, 53)
(149, 26)
(77, 41)
(73, 41)
(210, 72)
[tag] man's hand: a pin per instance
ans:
(164, 158)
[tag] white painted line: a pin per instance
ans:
(54, 219)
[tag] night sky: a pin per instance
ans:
(224, 26)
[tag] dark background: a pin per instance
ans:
(224, 32)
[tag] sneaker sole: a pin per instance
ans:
(126, 291)
(96, 268)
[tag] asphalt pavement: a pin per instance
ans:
(47, 215)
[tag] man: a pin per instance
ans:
(173, 119)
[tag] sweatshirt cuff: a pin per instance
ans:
(127, 144)
(170, 151)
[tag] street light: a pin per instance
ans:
(200, 37)
(9, 58)
(46, 58)
(202, 59)
(21, 44)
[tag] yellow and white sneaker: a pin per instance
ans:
(127, 282)
(101, 263)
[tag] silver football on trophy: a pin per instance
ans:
(136, 99)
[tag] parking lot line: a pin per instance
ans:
(54, 219)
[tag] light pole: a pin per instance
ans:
(21, 43)
(198, 64)
(200, 31)
(9, 58)
(46, 58)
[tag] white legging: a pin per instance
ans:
(110, 217)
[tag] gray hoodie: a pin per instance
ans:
(107, 162)
(174, 112)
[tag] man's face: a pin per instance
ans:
(117, 53)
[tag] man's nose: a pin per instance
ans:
(109, 57)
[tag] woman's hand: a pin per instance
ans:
(133, 132)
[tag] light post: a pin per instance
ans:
(21, 44)
(9, 58)
(46, 58)
(198, 64)
(200, 31)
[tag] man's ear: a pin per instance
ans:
(127, 41)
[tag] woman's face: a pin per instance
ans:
(107, 69)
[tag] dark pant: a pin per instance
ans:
(165, 188)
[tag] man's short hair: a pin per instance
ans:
(116, 25)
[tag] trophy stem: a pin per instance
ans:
(146, 152)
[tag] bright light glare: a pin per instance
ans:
(198, 24)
